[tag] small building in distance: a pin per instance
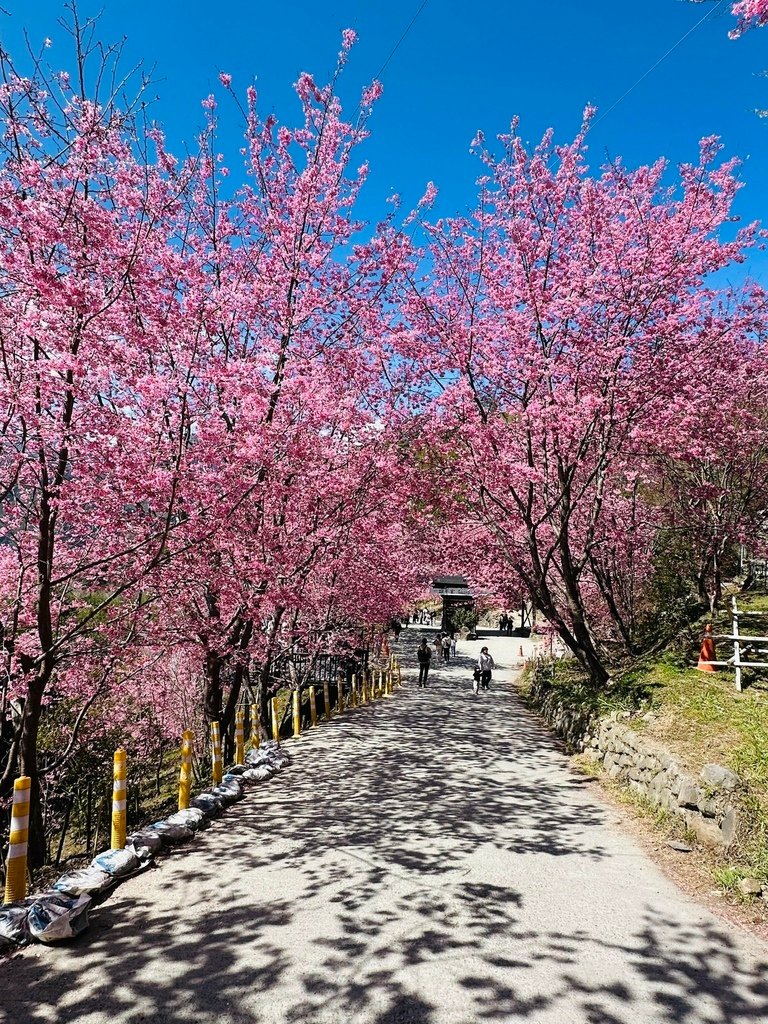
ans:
(455, 594)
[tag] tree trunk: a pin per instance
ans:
(213, 691)
(28, 766)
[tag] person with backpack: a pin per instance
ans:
(423, 656)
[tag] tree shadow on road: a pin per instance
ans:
(381, 880)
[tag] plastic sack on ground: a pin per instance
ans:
(275, 754)
(279, 759)
(259, 774)
(145, 844)
(55, 917)
(256, 758)
(235, 785)
(171, 833)
(209, 804)
(14, 929)
(229, 794)
(116, 862)
(87, 881)
(192, 817)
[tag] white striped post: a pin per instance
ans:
(312, 706)
(119, 774)
(16, 863)
(275, 721)
(217, 773)
(297, 712)
(255, 739)
(239, 736)
(185, 772)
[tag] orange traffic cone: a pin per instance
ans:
(707, 651)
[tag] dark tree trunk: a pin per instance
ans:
(30, 727)
(212, 698)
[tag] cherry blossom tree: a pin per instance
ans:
(749, 14)
(98, 365)
(554, 322)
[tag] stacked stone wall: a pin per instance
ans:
(704, 800)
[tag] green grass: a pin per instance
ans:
(701, 718)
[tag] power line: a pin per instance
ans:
(710, 13)
(396, 47)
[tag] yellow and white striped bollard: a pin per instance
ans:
(380, 685)
(312, 706)
(216, 768)
(327, 699)
(297, 712)
(119, 783)
(275, 719)
(255, 739)
(185, 772)
(16, 864)
(353, 691)
(340, 690)
(239, 737)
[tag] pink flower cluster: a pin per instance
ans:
(749, 14)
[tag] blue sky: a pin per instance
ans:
(462, 66)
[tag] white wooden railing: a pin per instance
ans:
(743, 644)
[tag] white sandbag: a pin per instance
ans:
(254, 758)
(171, 833)
(192, 818)
(88, 881)
(14, 929)
(236, 769)
(226, 793)
(209, 804)
(279, 758)
(55, 917)
(116, 862)
(260, 774)
(145, 844)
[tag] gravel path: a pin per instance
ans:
(430, 859)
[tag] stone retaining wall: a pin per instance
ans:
(704, 800)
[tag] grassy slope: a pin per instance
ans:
(701, 718)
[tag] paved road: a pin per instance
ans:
(428, 860)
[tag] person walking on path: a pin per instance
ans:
(423, 656)
(485, 667)
(446, 648)
(437, 643)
